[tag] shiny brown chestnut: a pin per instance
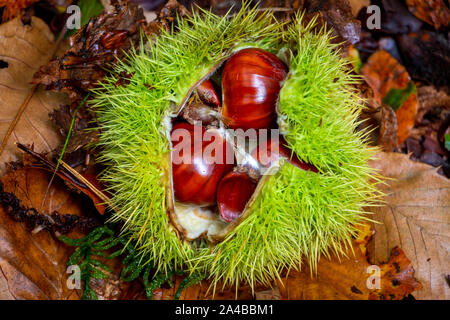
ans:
(207, 93)
(195, 175)
(234, 191)
(251, 83)
(268, 152)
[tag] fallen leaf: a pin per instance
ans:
(388, 129)
(395, 18)
(86, 183)
(23, 48)
(430, 97)
(103, 40)
(385, 75)
(338, 16)
(433, 12)
(347, 278)
(34, 265)
(397, 278)
(14, 8)
(364, 237)
(415, 218)
(357, 5)
(204, 291)
(336, 279)
(426, 55)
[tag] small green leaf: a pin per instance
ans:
(355, 59)
(396, 97)
(447, 142)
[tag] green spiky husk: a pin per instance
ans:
(298, 215)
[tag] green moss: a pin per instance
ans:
(298, 214)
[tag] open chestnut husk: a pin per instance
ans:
(287, 220)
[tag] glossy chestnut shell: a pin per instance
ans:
(251, 83)
(233, 193)
(195, 179)
(207, 93)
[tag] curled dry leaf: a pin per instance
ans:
(415, 218)
(103, 40)
(23, 48)
(82, 183)
(433, 12)
(392, 84)
(337, 14)
(430, 97)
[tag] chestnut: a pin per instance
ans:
(207, 94)
(251, 82)
(233, 193)
(194, 175)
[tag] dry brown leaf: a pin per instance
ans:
(358, 5)
(383, 73)
(25, 48)
(100, 42)
(14, 8)
(430, 97)
(348, 277)
(416, 218)
(34, 265)
(433, 12)
(397, 278)
(388, 129)
(335, 280)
